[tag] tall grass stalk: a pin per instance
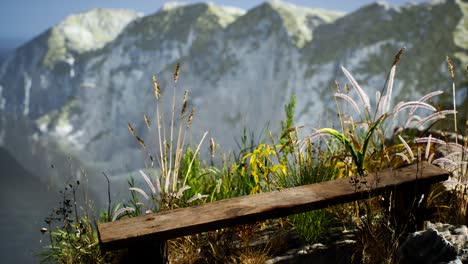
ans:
(169, 150)
(452, 76)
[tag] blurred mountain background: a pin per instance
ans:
(67, 94)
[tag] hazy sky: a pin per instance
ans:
(24, 19)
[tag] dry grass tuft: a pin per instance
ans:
(250, 256)
(185, 250)
(165, 157)
(398, 56)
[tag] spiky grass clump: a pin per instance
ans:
(166, 158)
(366, 143)
(308, 166)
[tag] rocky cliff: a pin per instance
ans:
(82, 81)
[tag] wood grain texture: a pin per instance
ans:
(241, 210)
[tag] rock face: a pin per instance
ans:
(39, 76)
(439, 243)
(81, 81)
(38, 83)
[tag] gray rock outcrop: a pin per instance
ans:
(439, 243)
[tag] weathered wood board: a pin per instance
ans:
(241, 210)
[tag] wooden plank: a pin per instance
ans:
(241, 210)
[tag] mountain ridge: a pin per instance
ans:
(240, 67)
(252, 62)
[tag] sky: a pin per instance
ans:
(21, 20)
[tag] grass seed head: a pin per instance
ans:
(212, 147)
(398, 56)
(184, 104)
(337, 86)
(141, 141)
(147, 122)
(190, 118)
(157, 90)
(450, 68)
(176, 73)
(130, 128)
